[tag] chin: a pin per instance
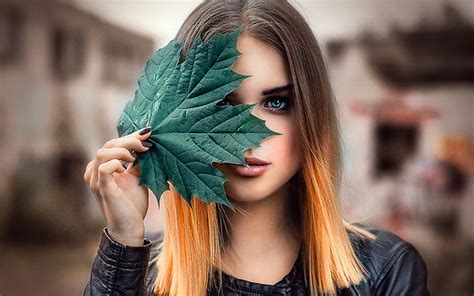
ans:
(248, 189)
(245, 199)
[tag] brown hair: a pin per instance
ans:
(194, 236)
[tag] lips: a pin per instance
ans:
(256, 167)
(255, 161)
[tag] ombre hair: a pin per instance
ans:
(195, 237)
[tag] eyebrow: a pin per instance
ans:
(279, 89)
(270, 91)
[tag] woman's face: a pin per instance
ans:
(269, 70)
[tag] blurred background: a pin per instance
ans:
(402, 71)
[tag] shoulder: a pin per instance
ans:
(394, 265)
(380, 251)
(156, 240)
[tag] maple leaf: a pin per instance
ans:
(190, 129)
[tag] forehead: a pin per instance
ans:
(265, 63)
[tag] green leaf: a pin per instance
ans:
(190, 130)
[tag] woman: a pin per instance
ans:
(288, 236)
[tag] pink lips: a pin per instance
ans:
(255, 161)
(257, 167)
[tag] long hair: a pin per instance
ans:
(194, 237)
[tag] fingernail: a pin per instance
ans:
(147, 144)
(133, 153)
(144, 130)
(134, 162)
(124, 164)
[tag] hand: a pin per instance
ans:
(123, 202)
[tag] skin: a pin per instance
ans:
(123, 202)
(263, 244)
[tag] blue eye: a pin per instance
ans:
(223, 102)
(279, 103)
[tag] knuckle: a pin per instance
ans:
(94, 187)
(101, 169)
(117, 162)
(109, 143)
(131, 155)
(139, 146)
(88, 167)
(137, 142)
(98, 154)
(100, 190)
(124, 152)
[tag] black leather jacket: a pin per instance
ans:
(395, 268)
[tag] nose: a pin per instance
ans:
(249, 152)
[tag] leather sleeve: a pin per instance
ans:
(404, 274)
(119, 269)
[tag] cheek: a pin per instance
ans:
(282, 149)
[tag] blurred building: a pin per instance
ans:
(65, 75)
(413, 87)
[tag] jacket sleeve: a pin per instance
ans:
(119, 269)
(404, 274)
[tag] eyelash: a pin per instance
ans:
(275, 110)
(281, 98)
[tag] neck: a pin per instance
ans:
(263, 227)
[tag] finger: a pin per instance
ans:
(93, 179)
(128, 142)
(134, 169)
(141, 134)
(105, 178)
(106, 154)
(87, 173)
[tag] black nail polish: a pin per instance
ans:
(134, 162)
(147, 144)
(124, 164)
(133, 153)
(144, 130)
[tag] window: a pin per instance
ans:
(11, 27)
(394, 144)
(67, 53)
(122, 63)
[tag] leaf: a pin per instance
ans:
(190, 130)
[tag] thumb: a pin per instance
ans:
(134, 169)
